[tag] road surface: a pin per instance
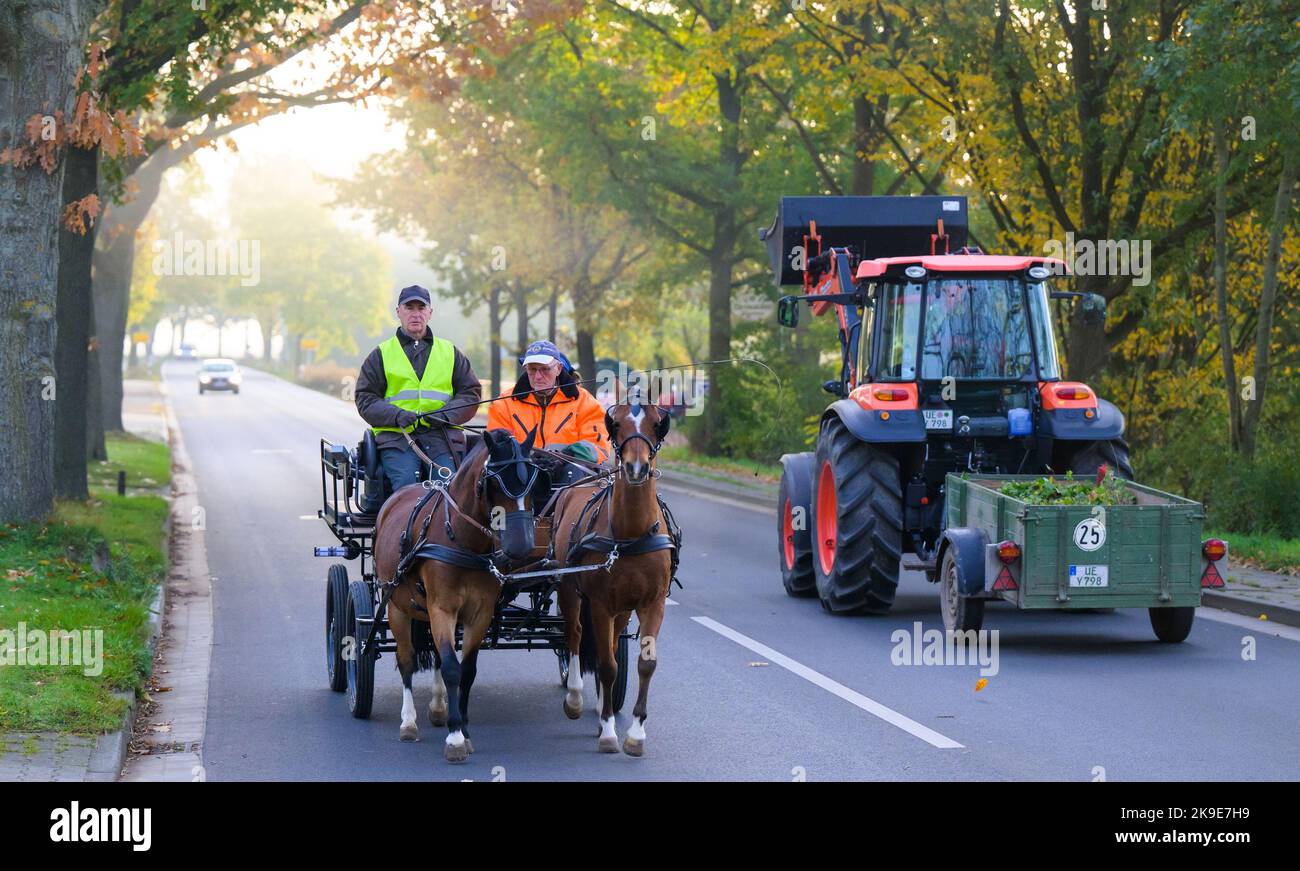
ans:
(751, 684)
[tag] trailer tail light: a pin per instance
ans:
(1008, 552)
(891, 394)
(1213, 550)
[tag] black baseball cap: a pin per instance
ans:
(414, 291)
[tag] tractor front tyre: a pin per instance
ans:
(794, 511)
(857, 523)
(1113, 452)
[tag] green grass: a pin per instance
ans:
(148, 464)
(1262, 550)
(48, 581)
(682, 459)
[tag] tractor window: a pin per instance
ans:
(863, 360)
(975, 328)
(899, 319)
(1044, 337)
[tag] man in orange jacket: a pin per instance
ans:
(568, 419)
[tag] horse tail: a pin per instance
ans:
(422, 644)
(588, 656)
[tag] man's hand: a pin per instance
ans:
(406, 419)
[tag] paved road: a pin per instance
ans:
(751, 684)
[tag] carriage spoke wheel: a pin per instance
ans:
(361, 667)
(620, 682)
(336, 627)
(562, 660)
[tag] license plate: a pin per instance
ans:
(938, 419)
(1089, 576)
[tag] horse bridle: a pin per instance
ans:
(492, 469)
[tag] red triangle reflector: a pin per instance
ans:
(1005, 581)
(1211, 578)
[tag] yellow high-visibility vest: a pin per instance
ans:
(420, 395)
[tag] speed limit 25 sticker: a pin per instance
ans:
(1090, 534)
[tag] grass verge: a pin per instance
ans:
(94, 566)
(746, 471)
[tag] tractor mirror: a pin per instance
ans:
(787, 311)
(1093, 309)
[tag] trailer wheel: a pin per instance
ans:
(857, 523)
(361, 667)
(1114, 453)
(1172, 625)
(336, 626)
(960, 613)
(794, 540)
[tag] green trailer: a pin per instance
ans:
(1066, 557)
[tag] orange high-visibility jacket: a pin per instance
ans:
(570, 415)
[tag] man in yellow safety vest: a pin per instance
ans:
(415, 372)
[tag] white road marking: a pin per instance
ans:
(671, 602)
(871, 706)
(1265, 627)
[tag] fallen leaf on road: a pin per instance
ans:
(981, 684)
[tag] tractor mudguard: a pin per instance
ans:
(968, 551)
(1069, 424)
(902, 426)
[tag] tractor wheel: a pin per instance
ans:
(857, 523)
(1114, 453)
(794, 541)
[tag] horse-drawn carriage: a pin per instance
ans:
(359, 612)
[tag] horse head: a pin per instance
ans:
(636, 431)
(507, 482)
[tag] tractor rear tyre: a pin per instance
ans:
(857, 523)
(794, 513)
(1113, 452)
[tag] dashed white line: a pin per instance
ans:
(853, 697)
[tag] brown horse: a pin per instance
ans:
(447, 581)
(597, 605)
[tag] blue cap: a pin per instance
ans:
(544, 352)
(414, 291)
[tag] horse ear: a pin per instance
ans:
(528, 442)
(610, 426)
(665, 422)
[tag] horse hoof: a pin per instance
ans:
(607, 745)
(455, 753)
(571, 710)
(633, 747)
(409, 733)
(469, 745)
(437, 718)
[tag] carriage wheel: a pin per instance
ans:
(361, 668)
(620, 682)
(336, 626)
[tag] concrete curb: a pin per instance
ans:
(109, 757)
(765, 496)
(1251, 607)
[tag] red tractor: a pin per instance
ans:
(949, 364)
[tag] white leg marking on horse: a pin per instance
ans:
(456, 739)
(438, 704)
(607, 730)
(598, 705)
(408, 708)
(637, 730)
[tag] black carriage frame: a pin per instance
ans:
(514, 626)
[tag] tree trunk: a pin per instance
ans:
(96, 449)
(37, 70)
(1221, 282)
(520, 294)
(494, 337)
(552, 309)
(1267, 299)
(586, 352)
(73, 312)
